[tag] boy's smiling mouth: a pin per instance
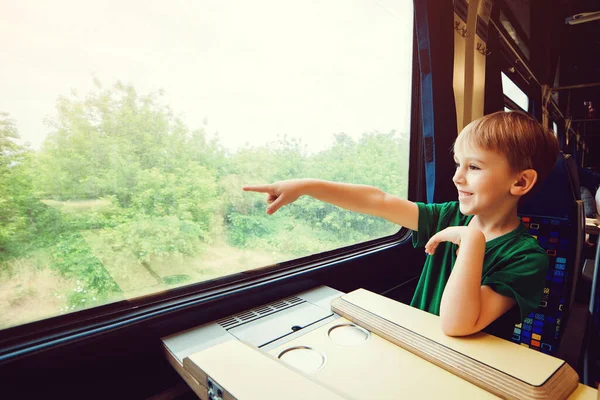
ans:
(464, 194)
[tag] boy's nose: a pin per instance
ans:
(458, 176)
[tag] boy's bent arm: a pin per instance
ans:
(359, 198)
(467, 306)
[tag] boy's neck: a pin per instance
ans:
(496, 224)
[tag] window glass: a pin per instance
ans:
(555, 128)
(127, 130)
(514, 93)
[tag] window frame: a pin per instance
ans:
(508, 103)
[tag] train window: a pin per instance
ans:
(514, 93)
(127, 130)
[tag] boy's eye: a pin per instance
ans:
(473, 167)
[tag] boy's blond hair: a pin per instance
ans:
(524, 142)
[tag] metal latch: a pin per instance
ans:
(215, 392)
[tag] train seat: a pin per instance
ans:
(554, 215)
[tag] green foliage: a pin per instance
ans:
(243, 228)
(309, 226)
(176, 279)
(8, 132)
(73, 259)
(122, 169)
(16, 197)
(189, 193)
(152, 238)
(373, 160)
(297, 239)
(99, 145)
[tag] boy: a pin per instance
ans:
(481, 260)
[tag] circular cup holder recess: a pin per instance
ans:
(348, 334)
(304, 358)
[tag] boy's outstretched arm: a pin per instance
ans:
(360, 198)
(467, 306)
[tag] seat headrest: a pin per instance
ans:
(555, 197)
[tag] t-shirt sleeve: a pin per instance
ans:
(522, 279)
(430, 216)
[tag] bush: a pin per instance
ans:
(73, 259)
(242, 228)
(151, 238)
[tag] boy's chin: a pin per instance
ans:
(464, 209)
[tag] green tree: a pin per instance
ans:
(126, 167)
(16, 192)
(98, 144)
(375, 159)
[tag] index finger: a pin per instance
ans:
(257, 188)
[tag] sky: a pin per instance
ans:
(247, 71)
(510, 89)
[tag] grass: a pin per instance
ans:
(81, 206)
(30, 291)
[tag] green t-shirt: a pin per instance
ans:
(514, 264)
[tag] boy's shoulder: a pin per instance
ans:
(518, 247)
(525, 240)
(433, 217)
(448, 208)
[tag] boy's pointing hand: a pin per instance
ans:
(278, 193)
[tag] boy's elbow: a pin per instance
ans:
(454, 328)
(451, 329)
(455, 332)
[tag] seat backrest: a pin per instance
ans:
(554, 215)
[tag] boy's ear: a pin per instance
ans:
(526, 179)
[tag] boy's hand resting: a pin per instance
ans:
(279, 193)
(454, 234)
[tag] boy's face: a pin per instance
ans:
(483, 179)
